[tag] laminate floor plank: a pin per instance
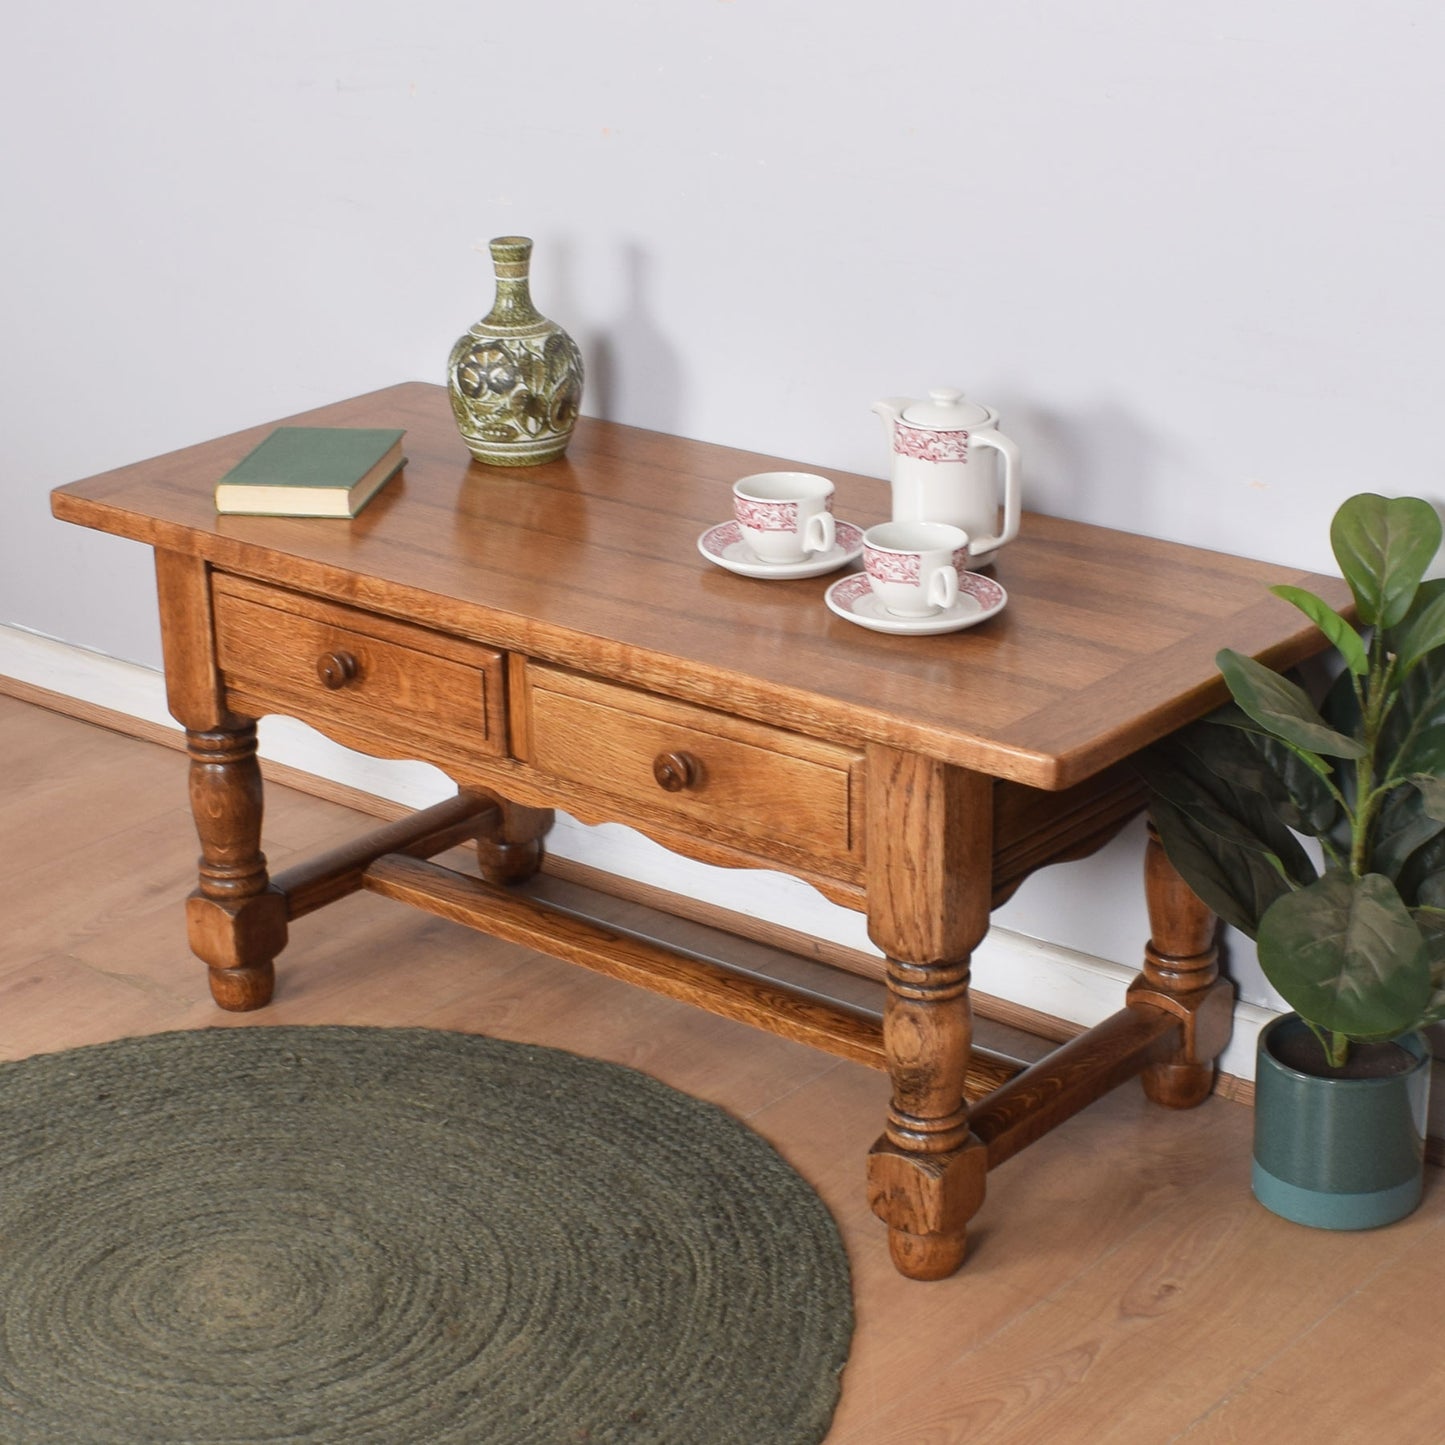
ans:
(56, 1002)
(1362, 1361)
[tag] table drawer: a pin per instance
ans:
(353, 673)
(776, 792)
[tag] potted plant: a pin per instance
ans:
(1350, 929)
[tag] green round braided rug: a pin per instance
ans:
(400, 1235)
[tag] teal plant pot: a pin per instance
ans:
(1338, 1153)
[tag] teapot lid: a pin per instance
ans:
(945, 410)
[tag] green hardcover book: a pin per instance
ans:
(311, 471)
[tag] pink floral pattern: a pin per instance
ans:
(766, 516)
(721, 537)
(891, 566)
(984, 590)
(851, 590)
(930, 446)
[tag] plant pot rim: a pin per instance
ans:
(1411, 1041)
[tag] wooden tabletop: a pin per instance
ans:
(1107, 642)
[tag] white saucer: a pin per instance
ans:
(724, 545)
(979, 598)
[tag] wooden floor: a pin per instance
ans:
(1123, 1286)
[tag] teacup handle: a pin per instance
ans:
(943, 587)
(820, 533)
(1012, 500)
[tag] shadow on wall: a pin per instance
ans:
(634, 373)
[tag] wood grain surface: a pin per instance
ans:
(1108, 640)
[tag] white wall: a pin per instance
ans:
(1191, 253)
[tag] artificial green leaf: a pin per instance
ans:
(1238, 884)
(1432, 890)
(1431, 923)
(1347, 956)
(1421, 880)
(1275, 844)
(1282, 707)
(1311, 808)
(1432, 794)
(1413, 738)
(1429, 590)
(1383, 546)
(1243, 755)
(1233, 716)
(1420, 633)
(1188, 771)
(1225, 839)
(1403, 825)
(1349, 642)
(1340, 706)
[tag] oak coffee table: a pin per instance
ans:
(550, 637)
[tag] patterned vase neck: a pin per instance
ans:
(512, 261)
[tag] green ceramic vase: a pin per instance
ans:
(515, 378)
(1338, 1153)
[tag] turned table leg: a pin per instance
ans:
(511, 850)
(926, 1175)
(235, 921)
(929, 855)
(1181, 975)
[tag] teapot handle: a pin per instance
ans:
(1012, 500)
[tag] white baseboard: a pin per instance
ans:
(1045, 977)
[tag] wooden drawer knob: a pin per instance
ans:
(335, 669)
(676, 771)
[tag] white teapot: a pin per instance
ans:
(944, 467)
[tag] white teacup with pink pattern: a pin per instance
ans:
(785, 516)
(913, 567)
